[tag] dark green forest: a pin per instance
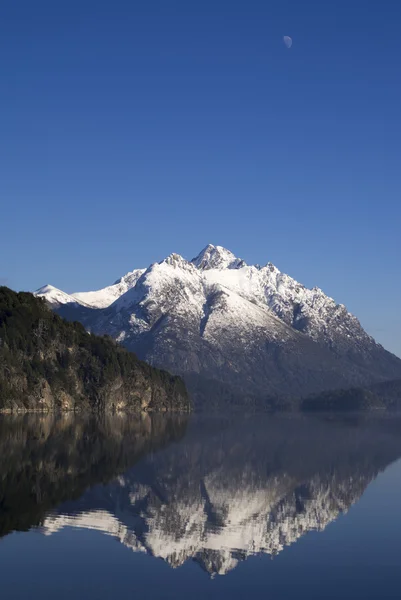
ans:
(48, 362)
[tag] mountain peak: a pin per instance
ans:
(217, 257)
(176, 260)
(54, 296)
(46, 288)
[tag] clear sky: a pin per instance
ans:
(129, 130)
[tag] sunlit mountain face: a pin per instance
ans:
(252, 330)
(215, 491)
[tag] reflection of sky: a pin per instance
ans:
(357, 556)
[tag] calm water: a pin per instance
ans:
(175, 507)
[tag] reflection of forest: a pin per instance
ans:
(47, 459)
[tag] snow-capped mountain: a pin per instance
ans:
(105, 297)
(97, 299)
(252, 328)
(56, 297)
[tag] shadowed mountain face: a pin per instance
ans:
(215, 491)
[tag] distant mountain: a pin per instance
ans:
(48, 363)
(216, 319)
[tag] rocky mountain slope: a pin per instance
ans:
(251, 328)
(48, 363)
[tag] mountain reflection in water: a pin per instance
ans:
(213, 490)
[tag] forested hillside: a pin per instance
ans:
(49, 363)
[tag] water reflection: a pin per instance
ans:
(211, 490)
(48, 459)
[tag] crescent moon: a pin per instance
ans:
(287, 41)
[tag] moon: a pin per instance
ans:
(287, 41)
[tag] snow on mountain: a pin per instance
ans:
(55, 297)
(223, 319)
(307, 310)
(106, 296)
(217, 257)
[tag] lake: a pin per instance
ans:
(164, 506)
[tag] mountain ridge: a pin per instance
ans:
(250, 326)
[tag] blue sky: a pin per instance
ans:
(130, 130)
